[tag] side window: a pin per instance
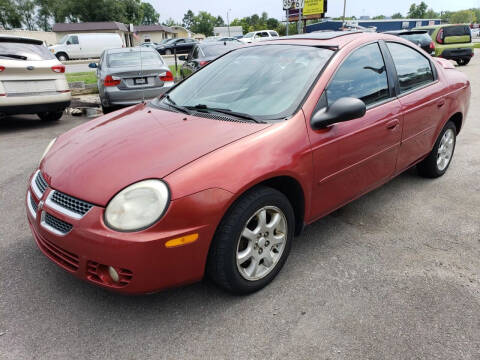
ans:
(413, 69)
(74, 40)
(363, 76)
(195, 53)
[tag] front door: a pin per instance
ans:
(350, 158)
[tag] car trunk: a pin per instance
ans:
(135, 79)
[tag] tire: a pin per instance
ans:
(235, 273)
(437, 162)
(50, 115)
(107, 109)
(168, 52)
(62, 56)
(463, 61)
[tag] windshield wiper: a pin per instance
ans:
(172, 104)
(226, 111)
(13, 56)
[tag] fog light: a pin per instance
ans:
(113, 274)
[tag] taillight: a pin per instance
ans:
(2, 68)
(110, 81)
(203, 63)
(58, 69)
(432, 45)
(168, 77)
(440, 37)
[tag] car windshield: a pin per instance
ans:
(133, 58)
(267, 82)
(249, 35)
(63, 39)
(23, 51)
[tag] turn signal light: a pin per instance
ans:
(110, 81)
(184, 240)
(2, 68)
(203, 63)
(432, 45)
(167, 77)
(58, 69)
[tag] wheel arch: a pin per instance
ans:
(457, 119)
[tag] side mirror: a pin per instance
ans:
(69, 43)
(344, 109)
(93, 65)
(182, 58)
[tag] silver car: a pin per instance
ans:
(129, 76)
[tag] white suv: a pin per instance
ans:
(261, 35)
(32, 80)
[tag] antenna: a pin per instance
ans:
(141, 73)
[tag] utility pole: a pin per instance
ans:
(228, 22)
(344, 8)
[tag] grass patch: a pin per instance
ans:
(172, 69)
(88, 77)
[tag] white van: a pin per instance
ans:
(84, 46)
(261, 35)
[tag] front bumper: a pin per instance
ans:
(141, 259)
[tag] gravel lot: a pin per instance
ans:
(393, 275)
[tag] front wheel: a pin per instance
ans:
(252, 242)
(50, 115)
(438, 161)
(62, 57)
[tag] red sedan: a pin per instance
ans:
(218, 175)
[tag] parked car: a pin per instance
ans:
(222, 39)
(85, 46)
(453, 42)
(475, 32)
(217, 176)
(418, 37)
(32, 80)
(128, 76)
(256, 36)
(182, 46)
(150, 44)
(204, 53)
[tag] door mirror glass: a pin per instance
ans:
(68, 42)
(182, 58)
(93, 65)
(344, 109)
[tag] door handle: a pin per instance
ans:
(392, 124)
(441, 103)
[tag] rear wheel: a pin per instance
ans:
(438, 161)
(108, 109)
(50, 115)
(252, 242)
(168, 52)
(463, 61)
(62, 56)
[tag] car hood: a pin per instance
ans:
(97, 159)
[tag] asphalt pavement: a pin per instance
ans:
(393, 275)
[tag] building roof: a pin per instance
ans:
(149, 28)
(89, 26)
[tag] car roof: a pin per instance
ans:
(20, 39)
(397, 32)
(131, 49)
(218, 43)
(337, 39)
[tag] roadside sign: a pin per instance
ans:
(293, 4)
(313, 7)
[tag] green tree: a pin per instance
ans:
(188, 19)
(9, 15)
(431, 14)
(133, 12)
(170, 22)
(417, 11)
(219, 21)
(379, 17)
(150, 16)
(204, 23)
(397, 16)
(463, 17)
(26, 8)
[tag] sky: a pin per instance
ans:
(241, 8)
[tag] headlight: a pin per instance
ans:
(137, 206)
(49, 146)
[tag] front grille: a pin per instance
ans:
(64, 258)
(96, 273)
(70, 203)
(57, 224)
(41, 183)
(33, 203)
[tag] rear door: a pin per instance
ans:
(422, 101)
(353, 157)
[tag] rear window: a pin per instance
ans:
(416, 38)
(133, 58)
(460, 30)
(216, 50)
(22, 51)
